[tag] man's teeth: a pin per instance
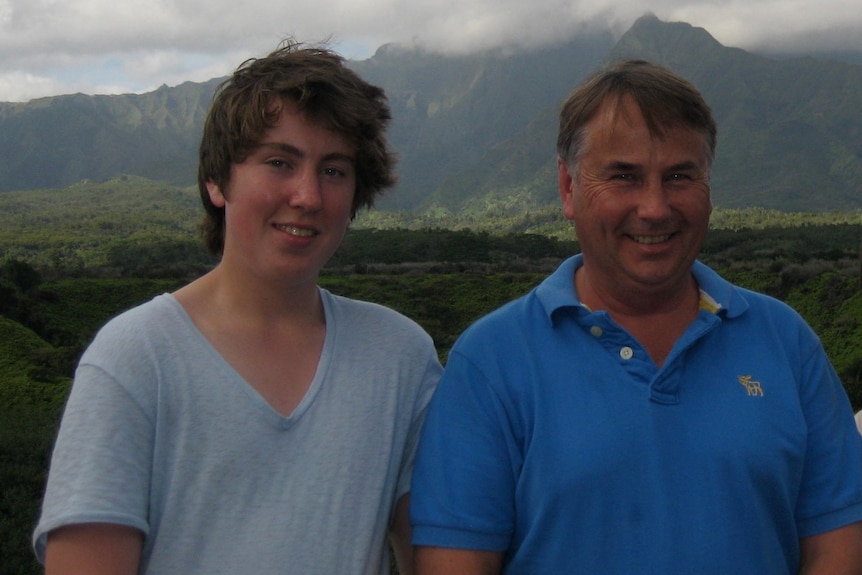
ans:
(295, 231)
(651, 239)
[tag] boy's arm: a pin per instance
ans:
(93, 548)
(399, 536)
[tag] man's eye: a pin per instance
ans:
(333, 172)
(682, 178)
(276, 163)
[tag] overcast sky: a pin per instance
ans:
(50, 47)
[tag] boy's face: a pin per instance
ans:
(288, 204)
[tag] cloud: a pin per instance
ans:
(20, 86)
(95, 46)
(779, 25)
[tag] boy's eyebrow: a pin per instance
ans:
(282, 147)
(338, 156)
(291, 150)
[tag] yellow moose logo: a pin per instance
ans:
(752, 387)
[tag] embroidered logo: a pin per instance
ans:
(751, 387)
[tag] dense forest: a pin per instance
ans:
(445, 279)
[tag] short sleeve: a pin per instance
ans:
(430, 377)
(831, 493)
(464, 479)
(100, 467)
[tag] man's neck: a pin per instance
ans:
(656, 319)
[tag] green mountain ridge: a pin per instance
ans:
(476, 132)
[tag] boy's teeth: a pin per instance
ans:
(294, 231)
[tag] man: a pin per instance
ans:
(636, 413)
(252, 422)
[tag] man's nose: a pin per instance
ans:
(654, 202)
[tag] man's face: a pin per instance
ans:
(640, 205)
(288, 204)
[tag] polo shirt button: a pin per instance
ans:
(626, 353)
(596, 331)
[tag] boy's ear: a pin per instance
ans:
(216, 196)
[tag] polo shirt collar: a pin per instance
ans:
(718, 295)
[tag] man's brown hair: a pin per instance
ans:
(665, 99)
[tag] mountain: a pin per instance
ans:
(451, 112)
(790, 135)
(790, 130)
(477, 132)
(58, 141)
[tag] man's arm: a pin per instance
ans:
(444, 561)
(837, 552)
(93, 548)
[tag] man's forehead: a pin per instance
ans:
(617, 118)
(620, 112)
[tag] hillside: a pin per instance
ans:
(790, 131)
(790, 135)
(99, 224)
(56, 142)
(450, 113)
(476, 133)
(129, 224)
(29, 409)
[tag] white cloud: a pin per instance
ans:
(20, 86)
(60, 46)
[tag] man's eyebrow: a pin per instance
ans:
(685, 166)
(620, 166)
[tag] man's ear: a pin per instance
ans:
(217, 198)
(566, 184)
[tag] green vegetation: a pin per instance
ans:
(29, 407)
(444, 279)
(134, 227)
(444, 303)
(89, 227)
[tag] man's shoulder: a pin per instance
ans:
(508, 324)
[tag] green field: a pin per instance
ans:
(444, 279)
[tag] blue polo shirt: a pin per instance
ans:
(554, 437)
